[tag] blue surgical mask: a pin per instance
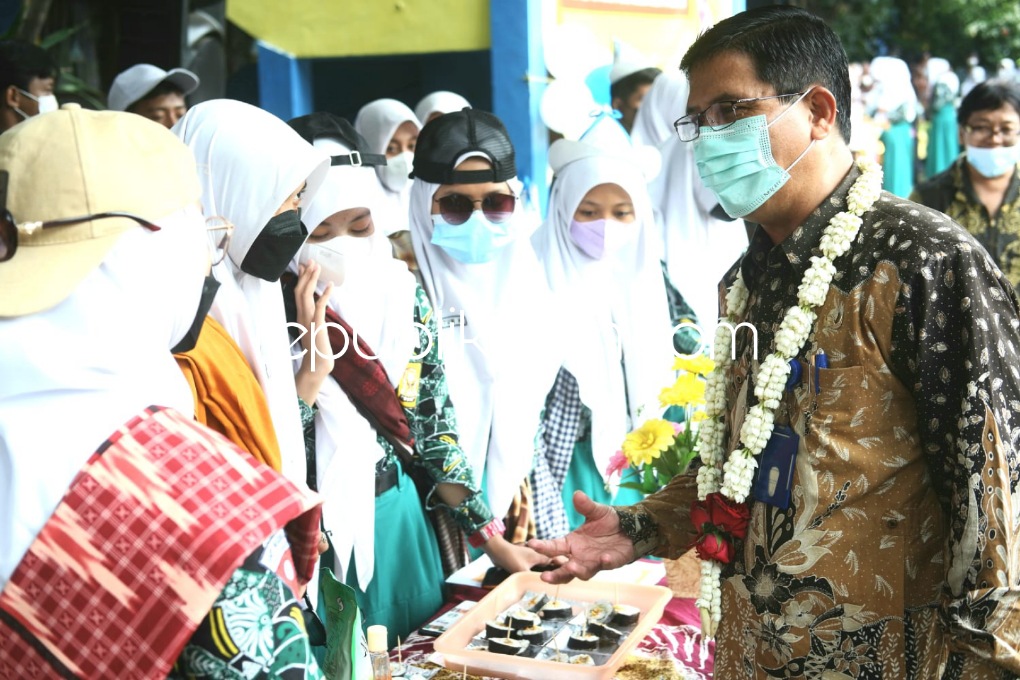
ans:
(473, 242)
(994, 162)
(737, 165)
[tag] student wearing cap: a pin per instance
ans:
(386, 401)
(27, 79)
(436, 104)
(500, 338)
(126, 529)
(152, 92)
(630, 79)
(391, 128)
(259, 188)
(600, 255)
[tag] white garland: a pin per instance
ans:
(733, 477)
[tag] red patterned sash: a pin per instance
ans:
(139, 548)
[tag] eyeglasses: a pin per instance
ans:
(219, 230)
(9, 228)
(720, 115)
(987, 132)
(457, 208)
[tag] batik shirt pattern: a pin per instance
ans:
(952, 193)
(899, 556)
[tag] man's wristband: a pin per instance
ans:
(493, 528)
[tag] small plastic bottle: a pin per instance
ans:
(378, 652)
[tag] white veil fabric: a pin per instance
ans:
(617, 303)
(503, 359)
(249, 162)
(439, 102)
(75, 373)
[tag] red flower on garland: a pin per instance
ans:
(712, 546)
(718, 521)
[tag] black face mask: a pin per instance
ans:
(190, 338)
(275, 246)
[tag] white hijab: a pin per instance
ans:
(377, 122)
(665, 102)
(593, 296)
(893, 90)
(498, 386)
(249, 162)
(439, 102)
(376, 298)
(74, 374)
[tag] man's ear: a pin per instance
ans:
(823, 112)
(12, 97)
(616, 103)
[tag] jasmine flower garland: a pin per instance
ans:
(732, 477)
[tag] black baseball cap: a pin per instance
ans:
(323, 124)
(450, 137)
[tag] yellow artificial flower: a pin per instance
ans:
(647, 443)
(688, 390)
(698, 416)
(700, 364)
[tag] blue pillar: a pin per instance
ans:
(518, 81)
(285, 83)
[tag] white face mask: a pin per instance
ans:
(394, 175)
(46, 102)
(339, 258)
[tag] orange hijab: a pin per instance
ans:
(228, 397)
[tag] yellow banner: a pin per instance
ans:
(348, 28)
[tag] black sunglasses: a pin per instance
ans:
(457, 208)
(9, 228)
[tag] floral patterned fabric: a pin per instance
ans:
(899, 556)
(951, 192)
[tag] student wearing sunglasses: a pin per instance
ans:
(500, 343)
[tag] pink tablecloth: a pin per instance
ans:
(677, 637)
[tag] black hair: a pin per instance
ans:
(791, 50)
(625, 87)
(161, 89)
(22, 61)
(988, 96)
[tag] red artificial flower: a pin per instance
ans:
(721, 514)
(711, 546)
(728, 516)
(617, 464)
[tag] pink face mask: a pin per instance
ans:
(599, 238)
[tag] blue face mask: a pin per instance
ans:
(736, 163)
(993, 162)
(473, 242)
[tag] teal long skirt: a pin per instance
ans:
(943, 141)
(407, 587)
(584, 476)
(898, 160)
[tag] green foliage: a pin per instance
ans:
(953, 29)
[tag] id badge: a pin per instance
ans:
(774, 480)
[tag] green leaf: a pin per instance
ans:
(60, 36)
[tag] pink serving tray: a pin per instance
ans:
(651, 600)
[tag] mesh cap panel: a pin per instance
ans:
(453, 135)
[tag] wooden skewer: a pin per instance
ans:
(464, 675)
(400, 657)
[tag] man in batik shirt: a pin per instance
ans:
(899, 555)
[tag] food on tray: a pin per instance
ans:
(557, 609)
(625, 614)
(534, 601)
(534, 634)
(600, 611)
(510, 646)
(520, 620)
(582, 660)
(496, 629)
(605, 632)
(585, 641)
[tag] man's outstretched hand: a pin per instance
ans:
(596, 545)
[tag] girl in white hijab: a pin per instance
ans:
(664, 103)
(257, 172)
(438, 103)
(391, 128)
(601, 259)
(501, 344)
(355, 438)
